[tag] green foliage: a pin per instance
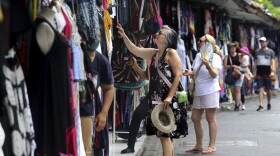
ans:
(271, 6)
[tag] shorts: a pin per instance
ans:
(238, 83)
(207, 101)
(264, 82)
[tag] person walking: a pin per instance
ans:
(165, 59)
(232, 61)
(244, 68)
(206, 97)
(264, 69)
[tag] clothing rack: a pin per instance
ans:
(134, 102)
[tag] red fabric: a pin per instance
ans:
(71, 132)
(21, 53)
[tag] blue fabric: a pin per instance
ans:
(264, 82)
(124, 16)
(185, 26)
(128, 103)
(77, 61)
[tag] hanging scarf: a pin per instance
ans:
(191, 22)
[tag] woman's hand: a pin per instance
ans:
(187, 72)
(206, 63)
(120, 30)
(167, 102)
(133, 63)
(235, 66)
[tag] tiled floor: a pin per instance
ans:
(120, 144)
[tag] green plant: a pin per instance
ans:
(269, 4)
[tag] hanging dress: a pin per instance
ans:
(15, 118)
(50, 96)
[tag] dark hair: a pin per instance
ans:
(171, 37)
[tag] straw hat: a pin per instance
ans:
(244, 50)
(163, 119)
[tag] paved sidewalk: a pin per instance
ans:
(152, 147)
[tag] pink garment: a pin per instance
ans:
(71, 133)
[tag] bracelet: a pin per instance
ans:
(208, 67)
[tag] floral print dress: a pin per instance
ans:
(158, 91)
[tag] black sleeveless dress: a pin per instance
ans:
(158, 90)
(49, 90)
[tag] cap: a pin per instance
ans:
(262, 39)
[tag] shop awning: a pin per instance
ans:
(244, 10)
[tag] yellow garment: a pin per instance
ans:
(35, 3)
(107, 24)
(1, 13)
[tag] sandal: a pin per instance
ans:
(195, 149)
(209, 150)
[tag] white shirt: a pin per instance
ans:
(204, 83)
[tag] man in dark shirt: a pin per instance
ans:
(264, 69)
(99, 70)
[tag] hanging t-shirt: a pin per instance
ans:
(182, 54)
(204, 83)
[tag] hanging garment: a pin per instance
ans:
(123, 12)
(191, 22)
(124, 75)
(185, 15)
(67, 33)
(2, 139)
(75, 46)
(182, 54)
(208, 24)
(20, 130)
(87, 20)
(103, 38)
(50, 96)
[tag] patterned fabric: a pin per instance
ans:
(2, 139)
(19, 114)
(87, 20)
(75, 46)
(158, 92)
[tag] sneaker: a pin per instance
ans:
(127, 150)
(268, 106)
(260, 108)
(243, 107)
